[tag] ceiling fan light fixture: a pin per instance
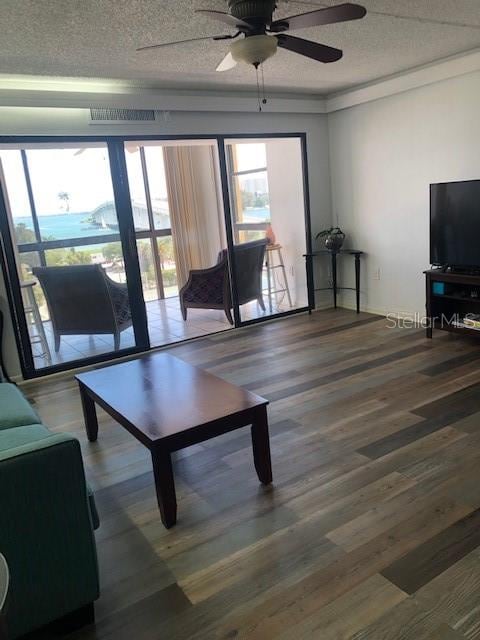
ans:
(254, 49)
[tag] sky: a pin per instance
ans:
(84, 175)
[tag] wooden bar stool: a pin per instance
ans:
(34, 319)
(274, 261)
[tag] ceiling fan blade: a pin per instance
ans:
(226, 18)
(227, 63)
(328, 15)
(314, 50)
(168, 44)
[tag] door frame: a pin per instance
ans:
(226, 187)
(128, 235)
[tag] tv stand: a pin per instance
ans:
(470, 271)
(451, 295)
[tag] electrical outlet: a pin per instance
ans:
(376, 274)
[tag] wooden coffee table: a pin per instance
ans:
(168, 404)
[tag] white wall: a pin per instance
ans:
(285, 185)
(71, 121)
(383, 156)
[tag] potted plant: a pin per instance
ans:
(334, 238)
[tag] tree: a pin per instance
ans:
(64, 197)
(247, 199)
(23, 234)
(165, 248)
(113, 252)
(60, 257)
(261, 201)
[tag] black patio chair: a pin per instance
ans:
(210, 288)
(83, 300)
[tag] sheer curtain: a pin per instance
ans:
(195, 212)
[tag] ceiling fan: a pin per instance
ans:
(260, 35)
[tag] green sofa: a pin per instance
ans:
(47, 518)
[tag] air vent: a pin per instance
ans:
(117, 116)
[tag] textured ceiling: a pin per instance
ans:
(98, 38)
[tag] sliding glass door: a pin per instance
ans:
(114, 245)
(62, 227)
(180, 229)
(267, 202)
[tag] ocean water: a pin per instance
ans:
(64, 226)
(76, 225)
(257, 215)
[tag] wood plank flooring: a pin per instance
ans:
(371, 530)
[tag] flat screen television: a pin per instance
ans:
(455, 224)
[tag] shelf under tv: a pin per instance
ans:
(456, 297)
(445, 311)
(466, 331)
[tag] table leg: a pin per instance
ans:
(428, 309)
(261, 447)
(310, 284)
(357, 280)
(334, 278)
(89, 414)
(165, 486)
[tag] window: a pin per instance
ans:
(62, 212)
(267, 201)
(249, 190)
(148, 191)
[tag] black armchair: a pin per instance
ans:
(83, 300)
(210, 288)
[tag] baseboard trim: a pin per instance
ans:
(69, 373)
(399, 315)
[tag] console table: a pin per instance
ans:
(333, 256)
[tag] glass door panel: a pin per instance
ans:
(180, 228)
(268, 224)
(167, 266)
(150, 283)
(157, 180)
(69, 259)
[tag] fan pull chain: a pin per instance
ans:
(261, 98)
(264, 100)
(258, 89)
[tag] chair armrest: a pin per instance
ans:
(46, 533)
(204, 273)
(119, 296)
(197, 276)
(118, 287)
(15, 452)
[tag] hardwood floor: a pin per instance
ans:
(371, 530)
